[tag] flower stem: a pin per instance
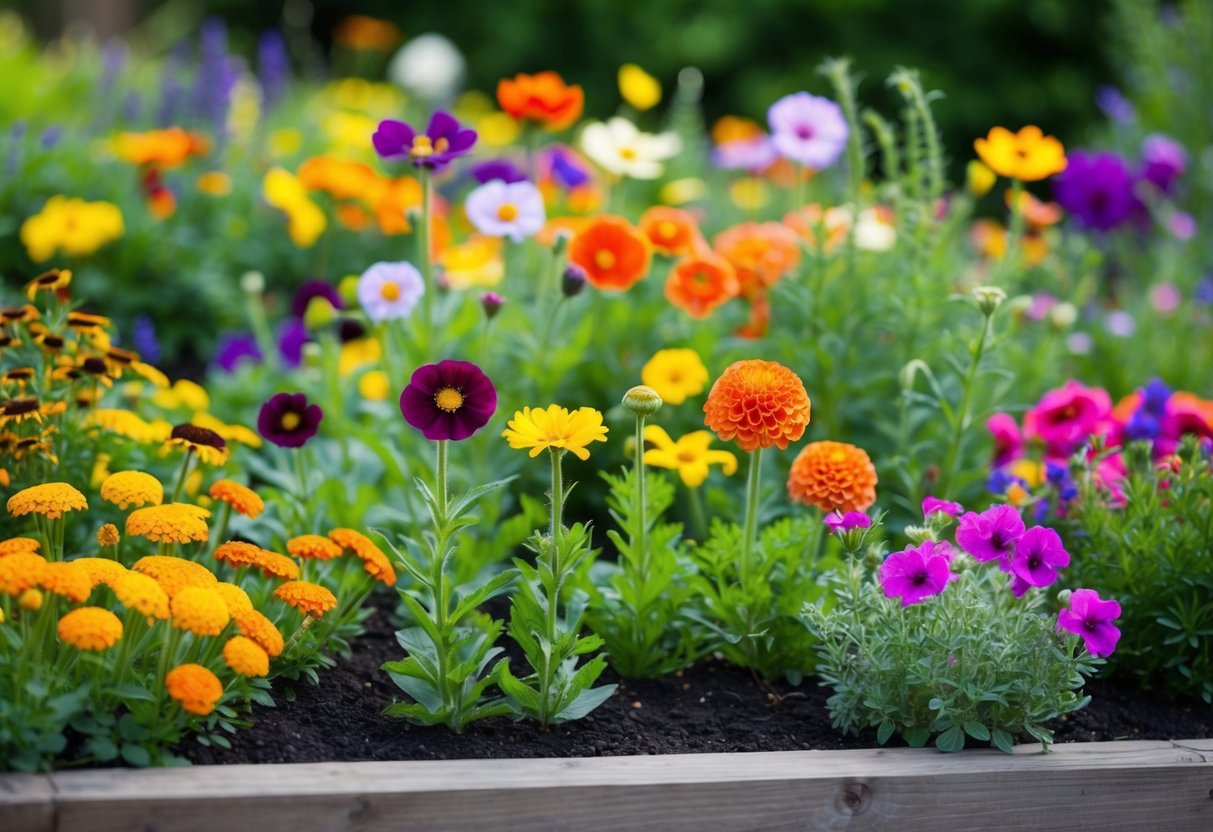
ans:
(557, 496)
(640, 545)
(438, 584)
(1010, 257)
(301, 472)
(751, 517)
(185, 468)
(965, 413)
(423, 255)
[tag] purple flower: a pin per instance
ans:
(235, 347)
(931, 505)
(289, 420)
(1154, 397)
(1182, 225)
(505, 209)
(754, 154)
(566, 169)
(1038, 556)
(444, 139)
(916, 573)
(991, 535)
(572, 280)
(273, 68)
(838, 522)
(216, 76)
(143, 339)
(502, 169)
(310, 289)
(1164, 160)
(292, 335)
(491, 303)
(1203, 293)
(448, 400)
(1097, 189)
(1091, 617)
(808, 129)
(1114, 105)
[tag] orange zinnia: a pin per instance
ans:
(699, 284)
(758, 403)
(543, 98)
(672, 231)
(833, 476)
(762, 253)
(612, 253)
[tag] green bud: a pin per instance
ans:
(348, 289)
(643, 401)
(989, 298)
(252, 283)
(319, 313)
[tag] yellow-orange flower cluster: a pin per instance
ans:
(50, 499)
(127, 488)
(101, 570)
(200, 610)
(309, 598)
(236, 599)
(171, 523)
(242, 499)
(374, 561)
(66, 579)
(261, 630)
(313, 546)
(246, 657)
(19, 571)
(833, 476)
(759, 404)
(18, 544)
(238, 553)
(174, 574)
(90, 628)
(143, 594)
(196, 688)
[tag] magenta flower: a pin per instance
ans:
(808, 129)
(1068, 416)
(1038, 556)
(1091, 617)
(288, 420)
(916, 573)
(444, 139)
(1008, 441)
(991, 535)
(448, 400)
(932, 505)
(838, 523)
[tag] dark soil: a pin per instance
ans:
(709, 707)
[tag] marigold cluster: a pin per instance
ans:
(234, 597)
(108, 536)
(238, 553)
(101, 570)
(242, 499)
(132, 488)
(171, 523)
(50, 499)
(758, 404)
(143, 594)
(833, 476)
(313, 546)
(90, 628)
(246, 657)
(374, 561)
(19, 571)
(66, 579)
(174, 574)
(19, 544)
(196, 688)
(309, 598)
(261, 630)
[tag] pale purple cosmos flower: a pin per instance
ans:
(1114, 105)
(388, 291)
(838, 522)
(1091, 617)
(916, 573)
(1038, 556)
(444, 140)
(808, 129)
(991, 535)
(931, 505)
(1182, 225)
(1164, 160)
(506, 209)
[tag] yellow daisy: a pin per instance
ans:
(554, 427)
(690, 455)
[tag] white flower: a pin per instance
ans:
(388, 291)
(622, 149)
(501, 209)
(428, 66)
(875, 230)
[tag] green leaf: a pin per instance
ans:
(585, 702)
(136, 755)
(885, 731)
(1003, 741)
(977, 731)
(916, 737)
(951, 740)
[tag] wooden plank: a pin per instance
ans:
(26, 803)
(1105, 786)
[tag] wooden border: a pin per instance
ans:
(1106, 786)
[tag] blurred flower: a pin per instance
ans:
(443, 141)
(573, 280)
(1089, 616)
(759, 404)
(675, 374)
(167, 148)
(428, 66)
(1182, 225)
(933, 505)
(979, 178)
(292, 335)
(491, 303)
(1120, 324)
(1028, 155)
(834, 476)
(474, 262)
(310, 290)
(1066, 416)
(241, 498)
(1164, 160)
(1165, 297)
(273, 68)
(289, 420)
(1203, 293)
(205, 443)
(196, 688)
(813, 222)
(501, 209)
(216, 76)
(613, 254)
(1098, 190)
(450, 400)
(1008, 441)
(305, 221)
(364, 33)
(1114, 105)
(1079, 343)
(388, 291)
(564, 167)
(754, 154)
(543, 98)
(71, 226)
(639, 89)
(701, 283)
(808, 129)
(672, 231)
(916, 573)
(132, 488)
(555, 428)
(619, 147)
(502, 169)
(690, 455)
(837, 522)
(761, 253)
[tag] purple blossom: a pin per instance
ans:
(448, 400)
(566, 169)
(292, 335)
(991, 535)
(143, 339)
(808, 129)
(309, 290)
(1203, 293)
(131, 104)
(754, 154)
(172, 91)
(273, 68)
(1182, 225)
(1164, 160)
(1098, 190)
(837, 522)
(1038, 555)
(50, 137)
(1114, 105)
(502, 169)
(235, 347)
(1091, 617)
(288, 420)
(917, 573)
(491, 303)
(216, 77)
(572, 280)
(444, 140)
(932, 505)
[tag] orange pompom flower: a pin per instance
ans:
(242, 499)
(672, 231)
(246, 657)
(758, 403)
(309, 598)
(374, 561)
(543, 98)
(174, 574)
(234, 597)
(50, 499)
(67, 579)
(701, 283)
(101, 570)
(90, 628)
(613, 254)
(196, 688)
(761, 253)
(18, 544)
(143, 594)
(127, 488)
(238, 554)
(200, 610)
(313, 546)
(171, 523)
(833, 476)
(261, 630)
(19, 571)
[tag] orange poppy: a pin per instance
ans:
(699, 284)
(392, 201)
(543, 98)
(360, 32)
(672, 231)
(735, 129)
(168, 147)
(613, 254)
(762, 253)
(353, 216)
(339, 177)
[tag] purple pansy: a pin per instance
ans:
(1164, 160)
(1098, 190)
(990, 535)
(235, 347)
(310, 289)
(292, 335)
(1091, 617)
(917, 573)
(837, 522)
(502, 169)
(448, 400)
(932, 505)
(808, 129)
(1038, 556)
(289, 420)
(444, 140)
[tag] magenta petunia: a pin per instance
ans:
(448, 400)
(932, 505)
(991, 535)
(1068, 416)
(838, 523)
(1008, 441)
(288, 420)
(1091, 617)
(1038, 555)
(917, 573)
(444, 140)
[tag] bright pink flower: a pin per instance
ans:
(916, 573)
(1068, 416)
(1008, 441)
(1091, 617)
(931, 505)
(991, 535)
(1038, 556)
(837, 522)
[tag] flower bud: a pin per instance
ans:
(107, 535)
(319, 313)
(310, 354)
(563, 238)
(30, 600)
(643, 401)
(572, 281)
(491, 302)
(347, 287)
(1063, 315)
(920, 534)
(989, 298)
(253, 283)
(1063, 597)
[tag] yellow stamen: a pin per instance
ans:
(604, 259)
(667, 230)
(507, 212)
(628, 153)
(422, 147)
(290, 420)
(390, 291)
(448, 399)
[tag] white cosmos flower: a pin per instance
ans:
(506, 209)
(428, 66)
(388, 291)
(620, 147)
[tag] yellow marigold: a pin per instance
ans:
(758, 403)
(234, 597)
(50, 499)
(200, 610)
(242, 499)
(379, 567)
(675, 375)
(19, 571)
(196, 688)
(554, 427)
(246, 657)
(172, 523)
(174, 574)
(238, 554)
(309, 598)
(127, 488)
(143, 594)
(261, 630)
(313, 546)
(1028, 155)
(66, 579)
(108, 535)
(833, 476)
(18, 544)
(101, 570)
(30, 600)
(90, 628)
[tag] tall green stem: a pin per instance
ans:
(423, 255)
(966, 407)
(640, 545)
(1010, 257)
(438, 575)
(557, 496)
(185, 469)
(751, 517)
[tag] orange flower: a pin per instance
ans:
(90, 628)
(808, 221)
(700, 283)
(760, 318)
(200, 610)
(70, 580)
(167, 148)
(374, 561)
(313, 546)
(310, 599)
(758, 403)
(238, 554)
(672, 231)
(338, 177)
(762, 253)
(261, 630)
(20, 570)
(360, 32)
(1028, 155)
(392, 202)
(242, 499)
(174, 574)
(246, 657)
(543, 98)
(18, 544)
(612, 253)
(195, 687)
(833, 476)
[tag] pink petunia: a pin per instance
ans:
(916, 573)
(1091, 617)
(1068, 416)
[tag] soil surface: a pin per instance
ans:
(709, 707)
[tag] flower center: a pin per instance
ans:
(290, 420)
(390, 291)
(627, 153)
(507, 212)
(604, 259)
(838, 456)
(448, 399)
(422, 147)
(804, 132)
(918, 578)
(686, 456)
(667, 230)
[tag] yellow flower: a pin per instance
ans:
(229, 433)
(71, 226)
(261, 630)
(18, 544)
(375, 386)
(19, 571)
(476, 262)
(305, 221)
(554, 427)
(66, 579)
(125, 423)
(242, 499)
(285, 142)
(127, 488)
(108, 535)
(101, 570)
(497, 129)
(30, 600)
(183, 394)
(1028, 155)
(206, 444)
(357, 353)
(215, 183)
(172, 523)
(246, 657)
(200, 610)
(690, 456)
(90, 628)
(638, 88)
(143, 594)
(349, 131)
(48, 282)
(49, 499)
(979, 178)
(237, 600)
(174, 574)
(675, 375)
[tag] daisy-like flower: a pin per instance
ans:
(555, 428)
(388, 291)
(448, 400)
(444, 140)
(833, 476)
(621, 148)
(50, 499)
(310, 599)
(808, 129)
(171, 523)
(241, 498)
(672, 231)
(1028, 155)
(758, 403)
(289, 420)
(196, 688)
(501, 209)
(204, 443)
(132, 488)
(690, 455)
(49, 281)
(675, 374)
(16, 411)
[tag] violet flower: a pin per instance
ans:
(933, 505)
(292, 335)
(1038, 555)
(273, 68)
(444, 140)
(235, 347)
(808, 129)
(991, 535)
(216, 77)
(1164, 160)
(566, 169)
(288, 420)
(917, 573)
(448, 400)
(1098, 190)
(1091, 617)
(310, 289)
(502, 169)
(838, 523)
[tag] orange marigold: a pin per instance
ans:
(309, 598)
(238, 554)
(172, 523)
(18, 544)
(242, 499)
(108, 535)
(374, 561)
(174, 574)
(200, 610)
(234, 597)
(19, 571)
(50, 499)
(101, 570)
(613, 254)
(672, 231)
(379, 567)
(701, 283)
(127, 488)
(143, 594)
(833, 476)
(66, 579)
(313, 546)
(90, 628)
(261, 630)
(246, 657)
(543, 98)
(761, 253)
(758, 403)
(196, 688)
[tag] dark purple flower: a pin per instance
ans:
(991, 535)
(916, 573)
(837, 522)
(491, 302)
(1091, 617)
(448, 400)
(1114, 105)
(273, 68)
(292, 335)
(289, 420)
(235, 347)
(310, 289)
(444, 139)
(1038, 556)
(1097, 189)
(1163, 161)
(931, 505)
(572, 280)
(502, 169)
(350, 329)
